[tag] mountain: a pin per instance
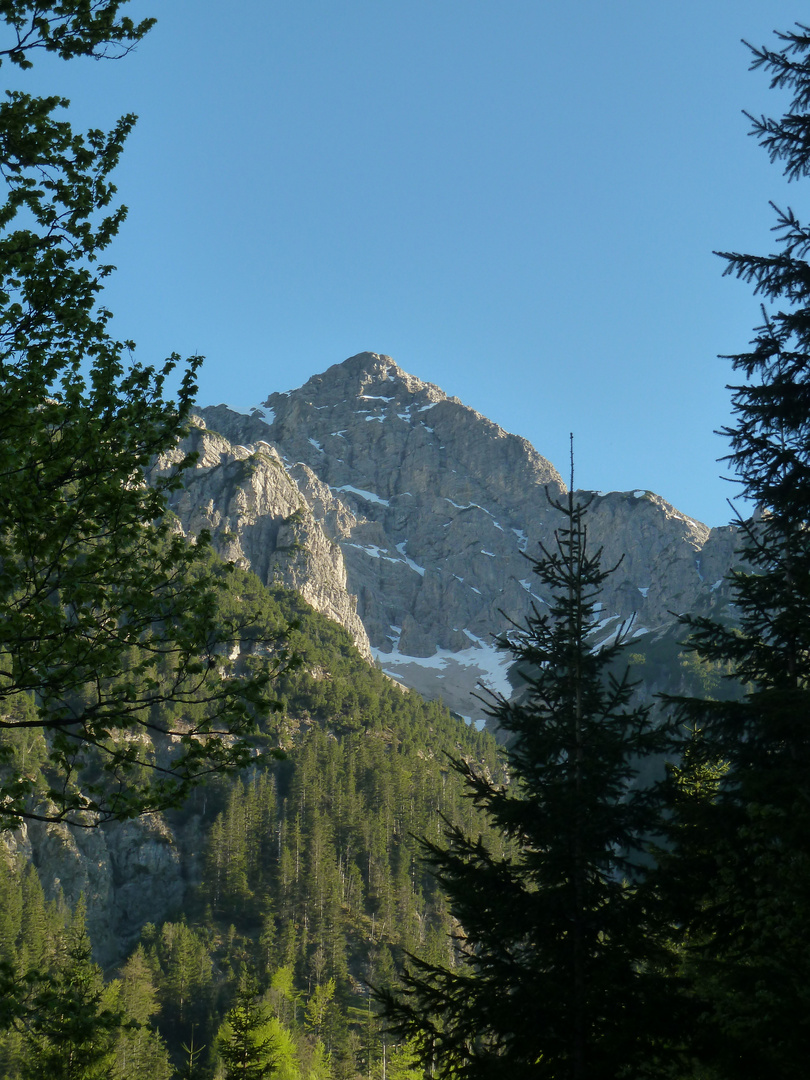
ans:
(402, 515)
(405, 515)
(260, 519)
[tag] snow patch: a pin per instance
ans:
(372, 550)
(644, 589)
(523, 539)
(369, 496)
(597, 626)
(376, 552)
(316, 444)
(527, 585)
(414, 566)
(492, 662)
(474, 506)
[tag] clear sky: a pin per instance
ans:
(516, 199)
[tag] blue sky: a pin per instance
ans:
(517, 200)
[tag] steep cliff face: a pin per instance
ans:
(260, 519)
(434, 506)
(128, 873)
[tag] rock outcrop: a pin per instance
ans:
(262, 520)
(433, 507)
(127, 873)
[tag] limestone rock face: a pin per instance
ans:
(433, 506)
(128, 873)
(260, 519)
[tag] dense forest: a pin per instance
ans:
(312, 883)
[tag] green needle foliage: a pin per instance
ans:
(553, 968)
(112, 641)
(246, 1041)
(741, 874)
(69, 1030)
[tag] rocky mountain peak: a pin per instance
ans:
(366, 423)
(365, 377)
(433, 507)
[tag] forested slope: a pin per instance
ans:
(308, 877)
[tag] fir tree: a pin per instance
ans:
(740, 875)
(70, 1025)
(246, 1041)
(552, 974)
(140, 1053)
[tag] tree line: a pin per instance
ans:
(311, 887)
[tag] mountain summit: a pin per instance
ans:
(408, 433)
(430, 507)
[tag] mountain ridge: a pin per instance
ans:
(420, 579)
(432, 507)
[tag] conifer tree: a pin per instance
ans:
(185, 970)
(70, 1026)
(246, 1041)
(140, 1053)
(552, 975)
(740, 875)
